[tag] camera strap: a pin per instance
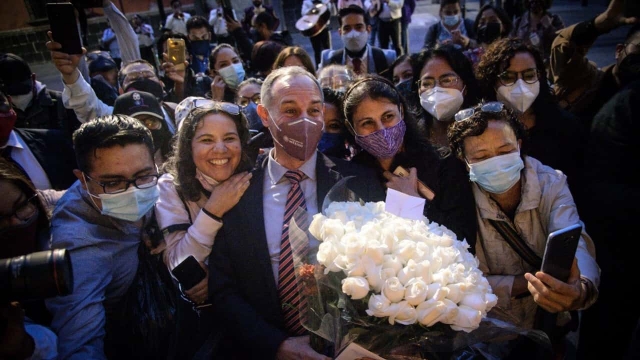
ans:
(518, 245)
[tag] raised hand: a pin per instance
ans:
(554, 295)
(226, 195)
(405, 184)
(65, 63)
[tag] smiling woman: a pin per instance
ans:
(205, 177)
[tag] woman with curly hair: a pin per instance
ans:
(387, 132)
(443, 83)
(511, 71)
(294, 55)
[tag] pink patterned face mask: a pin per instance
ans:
(384, 143)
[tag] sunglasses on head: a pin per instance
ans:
(492, 107)
(229, 108)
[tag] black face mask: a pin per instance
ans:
(489, 33)
(629, 68)
(147, 85)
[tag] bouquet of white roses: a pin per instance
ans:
(411, 271)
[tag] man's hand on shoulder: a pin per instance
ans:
(298, 348)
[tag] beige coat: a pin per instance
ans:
(546, 206)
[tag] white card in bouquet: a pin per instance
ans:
(356, 352)
(403, 205)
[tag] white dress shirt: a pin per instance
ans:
(274, 199)
(23, 156)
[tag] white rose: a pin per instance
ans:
(443, 276)
(378, 306)
(376, 251)
(424, 271)
(467, 319)
(456, 292)
(416, 291)
(316, 225)
(388, 237)
(393, 290)
(391, 261)
(408, 272)
(447, 254)
(429, 311)
(433, 288)
(402, 313)
(327, 253)
(404, 250)
(354, 244)
(479, 301)
(332, 227)
(357, 287)
(373, 273)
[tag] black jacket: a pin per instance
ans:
(47, 112)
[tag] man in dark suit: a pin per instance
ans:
(46, 157)
(357, 53)
(246, 265)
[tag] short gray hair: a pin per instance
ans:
(286, 71)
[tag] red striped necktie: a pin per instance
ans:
(287, 286)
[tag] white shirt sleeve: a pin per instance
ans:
(81, 98)
(125, 35)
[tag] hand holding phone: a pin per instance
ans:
(64, 27)
(176, 49)
(560, 251)
(189, 273)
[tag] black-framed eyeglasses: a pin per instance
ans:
(23, 212)
(244, 101)
(445, 81)
(229, 108)
(508, 78)
(120, 186)
(492, 107)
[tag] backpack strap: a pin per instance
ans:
(518, 245)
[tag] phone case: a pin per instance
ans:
(64, 27)
(189, 273)
(560, 251)
(176, 52)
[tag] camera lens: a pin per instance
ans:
(39, 275)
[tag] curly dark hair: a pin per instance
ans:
(497, 59)
(181, 165)
(507, 24)
(477, 123)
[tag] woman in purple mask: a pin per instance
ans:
(389, 139)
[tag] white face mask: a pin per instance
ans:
(450, 20)
(207, 182)
(519, 96)
(22, 101)
(355, 40)
(232, 74)
(441, 103)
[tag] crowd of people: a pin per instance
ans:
(143, 165)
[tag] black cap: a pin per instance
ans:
(15, 75)
(137, 103)
(101, 63)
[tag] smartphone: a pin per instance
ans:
(64, 27)
(423, 189)
(189, 273)
(227, 9)
(560, 251)
(176, 51)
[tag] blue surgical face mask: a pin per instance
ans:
(333, 145)
(497, 174)
(450, 20)
(130, 205)
(200, 55)
(232, 74)
(251, 113)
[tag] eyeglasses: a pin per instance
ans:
(492, 107)
(244, 101)
(508, 78)
(229, 108)
(120, 186)
(23, 212)
(445, 81)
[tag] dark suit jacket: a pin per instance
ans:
(54, 152)
(379, 60)
(241, 282)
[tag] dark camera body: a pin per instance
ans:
(36, 276)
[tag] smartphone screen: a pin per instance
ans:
(64, 27)
(560, 251)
